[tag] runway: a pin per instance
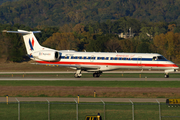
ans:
(55, 72)
(51, 99)
(88, 79)
(84, 79)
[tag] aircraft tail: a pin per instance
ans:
(31, 43)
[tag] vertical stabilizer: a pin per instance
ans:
(31, 43)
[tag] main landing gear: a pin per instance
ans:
(78, 74)
(97, 74)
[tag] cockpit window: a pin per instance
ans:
(154, 58)
(161, 58)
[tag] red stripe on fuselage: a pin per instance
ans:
(113, 64)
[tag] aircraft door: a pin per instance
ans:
(60, 54)
(92, 58)
(139, 62)
(155, 60)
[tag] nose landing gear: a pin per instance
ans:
(166, 76)
(168, 71)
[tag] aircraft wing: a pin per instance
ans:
(82, 67)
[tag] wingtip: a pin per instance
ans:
(4, 31)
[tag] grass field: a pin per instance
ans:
(126, 89)
(141, 84)
(67, 111)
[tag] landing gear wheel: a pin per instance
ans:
(76, 75)
(166, 76)
(96, 74)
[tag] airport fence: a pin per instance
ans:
(78, 111)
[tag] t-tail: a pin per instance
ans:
(30, 40)
(34, 49)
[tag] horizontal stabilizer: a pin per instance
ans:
(22, 31)
(31, 43)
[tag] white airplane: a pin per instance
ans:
(96, 62)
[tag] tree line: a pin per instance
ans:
(35, 13)
(157, 37)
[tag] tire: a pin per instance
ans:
(76, 75)
(96, 74)
(166, 76)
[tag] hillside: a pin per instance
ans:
(3, 1)
(59, 12)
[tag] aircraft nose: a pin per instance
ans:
(176, 67)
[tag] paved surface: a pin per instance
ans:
(93, 79)
(86, 72)
(21, 99)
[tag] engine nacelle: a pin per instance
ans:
(47, 55)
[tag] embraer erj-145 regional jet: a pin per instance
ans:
(96, 62)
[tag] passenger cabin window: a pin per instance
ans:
(66, 57)
(102, 58)
(79, 57)
(92, 58)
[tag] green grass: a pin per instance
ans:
(143, 84)
(90, 75)
(67, 111)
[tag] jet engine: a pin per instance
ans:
(47, 55)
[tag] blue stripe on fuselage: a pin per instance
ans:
(133, 59)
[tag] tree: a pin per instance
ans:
(66, 28)
(98, 44)
(171, 27)
(126, 45)
(168, 44)
(78, 28)
(62, 41)
(109, 25)
(160, 43)
(143, 48)
(113, 45)
(16, 48)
